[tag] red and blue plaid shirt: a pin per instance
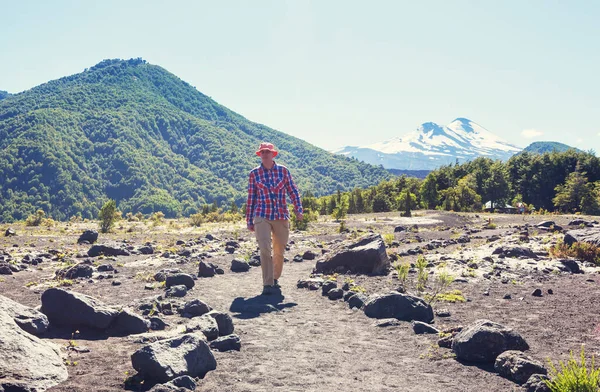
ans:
(266, 193)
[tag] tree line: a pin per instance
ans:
(567, 182)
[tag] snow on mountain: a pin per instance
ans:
(432, 145)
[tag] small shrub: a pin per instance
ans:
(422, 274)
(449, 296)
(402, 270)
(157, 217)
(441, 283)
(574, 376)
(196, 220)
(342, 227)
(388, 239)
(108, 215)
(36, 219)
(579, 250)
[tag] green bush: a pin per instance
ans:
(37, 219)
(574, 376)
(108, 215)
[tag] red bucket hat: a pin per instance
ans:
(268, 147)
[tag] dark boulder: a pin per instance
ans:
(590, 236)
(167, 359)
(399, 306)
(484, 340)
(71, 309)
(226, 343)
(239, 265)
(366, 256)
(88, 237)
(107, 250)
(30, 320)
(180, 279)
(517, 366)
(27, 363)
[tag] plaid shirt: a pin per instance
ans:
(266, 193)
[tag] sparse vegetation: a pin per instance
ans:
(574, 376)
(579, 250)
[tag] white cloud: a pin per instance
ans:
(531, 133)
(579, 141)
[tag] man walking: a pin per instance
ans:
(267, 213)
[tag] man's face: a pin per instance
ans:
(266, 157)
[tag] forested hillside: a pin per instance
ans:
(542, 147)
(135, 133)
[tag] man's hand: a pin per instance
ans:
(299, 216)
(251, 227)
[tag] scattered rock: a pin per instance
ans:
(127, 323)
(88, 237)
(536, 384)
(357, 301)
(400, 306)
(27, 363)
(590, 236)
(537, 293)
(366, 256)
(10, 232)
(206, 270)
(176, 291)
(484, 340)
(571, 266)
(30, 320)
(312, 283)
(309, 255)
(239, 265)
(71, 309)
(80, 270)
(226, 343)
(335, 294)
(399, 229)
(195, 308)
(515, 251)
(5, 269)
(167, 359)
(157, 324)
(146, 249)
(224, 322)
(328, 286)
(392, 322)
(420, 328)
(105, 268)
(107, 250)
(205, 324)
(180, 279)
(517, 366)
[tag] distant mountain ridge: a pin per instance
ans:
(543, 147)
(134, 132)
(432, 145)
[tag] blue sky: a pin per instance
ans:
(338, 73)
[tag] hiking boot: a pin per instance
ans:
(267, 290)
(276, 284)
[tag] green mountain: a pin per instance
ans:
(543, 147)
(133, 132)
(3, 94)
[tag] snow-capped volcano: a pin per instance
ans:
(432, 145)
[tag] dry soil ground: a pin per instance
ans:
(313, 343)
